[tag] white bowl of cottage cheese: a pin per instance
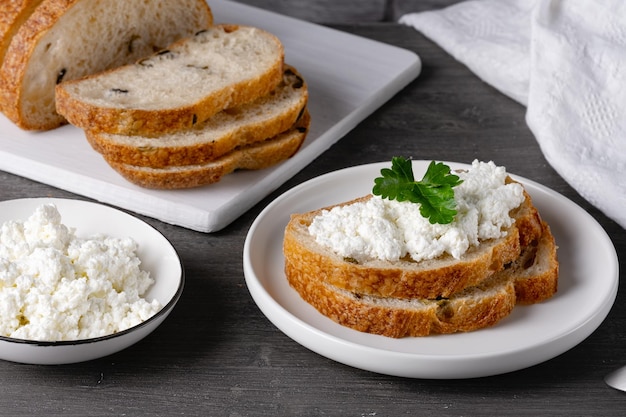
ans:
(80, 280)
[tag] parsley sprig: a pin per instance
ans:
(434, 192)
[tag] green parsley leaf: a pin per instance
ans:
(434, 192)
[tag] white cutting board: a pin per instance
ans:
(348, 77)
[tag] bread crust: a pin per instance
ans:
(152, 122)
(264, 118)
(259, 155)
(12, 15)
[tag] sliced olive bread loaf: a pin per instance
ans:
(67, 39)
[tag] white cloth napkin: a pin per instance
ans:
(566, 61)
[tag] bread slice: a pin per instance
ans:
(67, 39)
(470, 309)
(430, 279)
(12, 14)
(193, 79)
(258, 155)
(240, 126)
(536, 271)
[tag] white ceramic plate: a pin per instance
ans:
(530, 335)
(348, 77)
(157, 256)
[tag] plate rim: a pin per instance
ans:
(289, 324)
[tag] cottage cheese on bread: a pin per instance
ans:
(55, 286)
(399, 276)
(390, 230)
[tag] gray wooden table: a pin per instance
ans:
(217, 354)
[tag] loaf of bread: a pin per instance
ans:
(444, 294)
(168, 98)
(239, 126)
(220, 67)
(473, 308)
(257, 155)
(63, 40)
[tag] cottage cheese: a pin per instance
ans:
(389, 230)
(55, 286)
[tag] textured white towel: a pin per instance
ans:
(566, 61)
